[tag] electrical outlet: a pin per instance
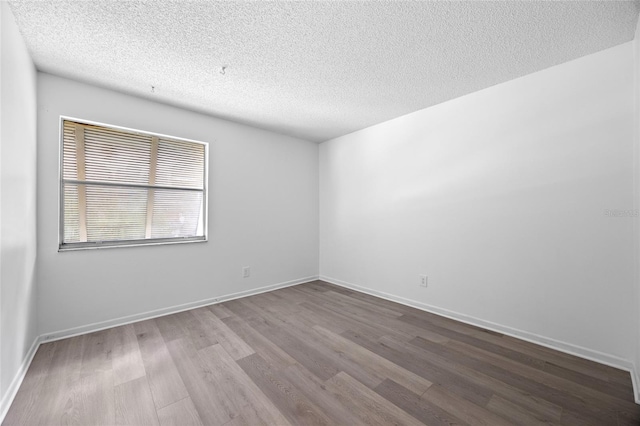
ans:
(423, 280)
(246, 272)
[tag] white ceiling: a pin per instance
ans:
(315, 70)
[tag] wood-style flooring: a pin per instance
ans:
(314, 354)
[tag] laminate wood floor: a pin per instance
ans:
(314, 354)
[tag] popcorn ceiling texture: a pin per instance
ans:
(315, 70)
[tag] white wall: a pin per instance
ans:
(17, 203)
(263, 213)
(499, 197)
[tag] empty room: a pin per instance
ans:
(319, 213)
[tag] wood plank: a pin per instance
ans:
(561, 391)
(346, 321)
(95, 400)
(220, 311)
(28, 398)
(164, 378)
(368, 298)
(317, 286)
(596, 397)
(373, 309)
(371, 408)
(574, 418)
(126, 358)
(613, 389)
(319, 364)
(629, 416)
(462, 408)
(365, 313)
(290, 402)
(529, 350)
(275, 303)
(427, 370)
(384, 368)
(457, 362)
(180, 413)
(200, 334)
(580, 365)
(87, 400)
(58, 394)
(363, 318)
(329, 322)
(207, 395)
(229, 340)
(302, 330)
(238, 386)
(97, 352)
(40, 367)
(248, 417)
(170, 327)
(540, 393)
(82, 400)
(337, 300)
(356, 319)
(571, 362)
(228, 384)
(240, 309)
(426, 412)
(517, 356)
(25, 409)
(517, 414)
(315, 390)
(292, 295)
(134, 404)
(267, 349)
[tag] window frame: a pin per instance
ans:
(62, 247)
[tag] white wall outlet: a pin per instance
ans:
(423, 280)
(246, 271)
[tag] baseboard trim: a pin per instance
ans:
(9, 396)
(12, 390)
(569, 348)
(635, 380)
(102, 325)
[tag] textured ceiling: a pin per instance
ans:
(315, 70)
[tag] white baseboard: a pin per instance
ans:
(8, 397)
(569, 348)
(97, 326)
(12, 391)
(635, 379)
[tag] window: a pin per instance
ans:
(125, 187)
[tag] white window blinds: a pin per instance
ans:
(123, 187)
